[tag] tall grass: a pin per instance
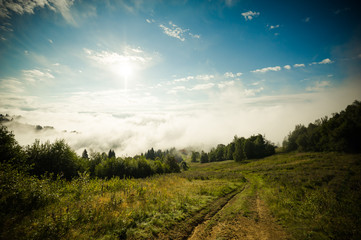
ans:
(317, 196)
(88, 208)
(313, 195)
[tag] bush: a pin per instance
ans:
(21, 193)
(10, 151)
(57, 158)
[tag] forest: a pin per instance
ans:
(340, 133)
(59, 159)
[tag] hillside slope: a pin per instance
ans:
(285, 196)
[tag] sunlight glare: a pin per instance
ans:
(124, 69)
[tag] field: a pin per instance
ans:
(285, 196)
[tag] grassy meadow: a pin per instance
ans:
(311, 195)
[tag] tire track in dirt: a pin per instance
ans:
(257, 224)
(200, 230)
(184, 229)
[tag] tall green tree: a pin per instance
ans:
(212, 157)
(239, 153)
(150, 154)
(111, 154)
(10, 151)
(230, 150)
(172, 163)
(220, 152)
(204, 157)
(85, 154)
(195, 156)
(57, 158)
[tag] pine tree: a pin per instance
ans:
(111, 154)
(85, 154)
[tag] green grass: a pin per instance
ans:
(107, 209)
(313, 195)
(316, 196)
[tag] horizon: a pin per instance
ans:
(132, 75)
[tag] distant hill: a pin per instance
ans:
(14, 123)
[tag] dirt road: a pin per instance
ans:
(240, 214)
(243, 217)
(185, 228)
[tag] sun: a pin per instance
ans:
(124, 69)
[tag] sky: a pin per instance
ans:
(131, 75)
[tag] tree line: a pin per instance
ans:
(256, 146)
(160, 154)
(58, 159)
(340, 133)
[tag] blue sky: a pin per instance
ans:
(140, 74)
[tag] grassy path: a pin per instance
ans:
(245, 216)
(184, 229)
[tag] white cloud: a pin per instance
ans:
(229, 75)
(184, 79)
(225, 84)
(288, 67)
(128, 124)
(27, 7)
(257, 83)
(196, 36)
(175, 31)
(318, 86)
(106, 57)
(326, 61)
(123, 64)
(11, 85)
(201, 77)
(273, 27)
(307, 19)
(176, 89)
(179, 88)
(6, 28)
(299, 65)
(204, 77)
(263, 70)
(50, 41)
(63, 6)
(35, 75)
(249, 15)
(202, 86)
(252, 92)
(232, 75)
